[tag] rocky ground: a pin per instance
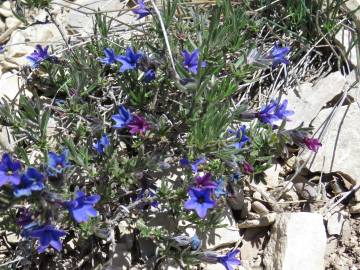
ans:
(324, 186)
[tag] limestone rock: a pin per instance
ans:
(308, 100)
(272, 176)
(346, 39)
(339, 151)
(352, 5)
(6, 139)
(12, 22)
(297, 242)
(335, 223)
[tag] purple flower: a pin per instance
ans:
(31, 181)
(138, 125)
(200, 201)
(142, 10)
(194, 166)
(241, 135)
(9, 171)
(149, 75)
(123, 118)
(82, 207)
(58, 163)
(247, 168)
(129, 60)
(219, 190)
(273, 112)
(110, 57)
(191, 61)
(2, 49)
(278, 54)
(312, 143)
(230, 260)
(204, 181)
(147, 193)
(39, 55)
(48, 236)
(281, 111)
(101, 144)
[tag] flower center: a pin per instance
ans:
(9, 172)
(201, 199)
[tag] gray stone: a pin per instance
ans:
(297, 242)
(263, 221)
(340, 150)
(335, 223)
(308, 100)
(346, 39)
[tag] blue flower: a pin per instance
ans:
(273, 112)
(149, 75)
(110, 57)
(58, 163)
(241, 135)
(9, 171)
(191, 61)
(195, 242)
(31, 181)
(129, 60)
(82, 207)
(48, 236)
(142, 10)
(278, 54)
(281, 112)
(220, 188)
(194, 166)
(2, 49)
(101, 144)
(204, 181)
(123, 118)
(236, 177)
(149, 194)
(200, 201)
(230, 260)
(39, 55)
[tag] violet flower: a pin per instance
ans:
(200, 201)
(9, 170)
(129, 60)
(138, 125)
(149, 75)
(101, 145)
(142, 10)
(123, 118)
(82, 207)
(31, 181)
(204, 181)
(191, 61)
(230, 260)
(194, 166)
(110, 57)
(2, 49)
(58, 163)
(219, 190)
(282, 112)
(39, 55)
(274, 112)
(247, 168)
(312, 143)
(241, 135)
(48, 235)
(147, 193)
(278, 54)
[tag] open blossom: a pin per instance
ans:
(31, 181)
(39, 55)
(312, 143)
(191, 61)
(110, 57)
(149, 75)
(241, 136)
(123, 118)
(58, 163)
(82, 207)
(141, 10)
(101, 144)
(230, 260)
(129, 60)
(274, 112)
(278, 54)
(9, 170)
(138, 125)
(200, 201)
(204, 181)
(48, 235)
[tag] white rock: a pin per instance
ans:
(9, 85)
(335, 223)
(352, 5)
(308, 100)
(2, 26)
(272, 176)
(346, 38)
(6, 139)
(5, 9)
(340, 150)
(12, 22)
(297, 242)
